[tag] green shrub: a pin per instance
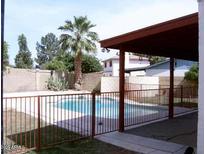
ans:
(192, 74)
(56, 84)
(90, 64)
(55, 65)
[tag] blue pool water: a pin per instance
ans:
(106, 107)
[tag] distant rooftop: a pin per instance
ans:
(131, 57)
(144, 68)
(128, 70)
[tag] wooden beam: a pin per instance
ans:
(122, 90)
(178, 54)
(171, 89)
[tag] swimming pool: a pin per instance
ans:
(106, 107)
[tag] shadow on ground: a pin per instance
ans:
(181, 130)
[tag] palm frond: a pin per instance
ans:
(78, 37)
(89, 45)
(66, 27)
(93, 36)
(64, 41)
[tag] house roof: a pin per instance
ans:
(131, 57)
(147, 67)
(177, 38)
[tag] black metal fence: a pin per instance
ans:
(35, 122)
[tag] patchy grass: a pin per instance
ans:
(49, 135)
(85, 147)
(21, 129)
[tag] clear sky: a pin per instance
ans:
(36, 18)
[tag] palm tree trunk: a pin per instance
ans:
(77, 71)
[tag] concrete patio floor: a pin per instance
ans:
(141, 144)
(164, 137)
(180, 130)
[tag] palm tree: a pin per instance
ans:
(78, 39)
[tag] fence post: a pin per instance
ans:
(37, 74)
(39, 127)
(181, 93)
(93, 114)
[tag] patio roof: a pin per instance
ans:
(177, 38)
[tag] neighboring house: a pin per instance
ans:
(162, 68)
(111, 65)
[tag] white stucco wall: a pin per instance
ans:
(107, 70)
(129, 63)
(110, 84)
(114, 70)
(137, 73)
(147, 82)
(200, 136)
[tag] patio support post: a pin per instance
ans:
(122, 90)
(171, 89)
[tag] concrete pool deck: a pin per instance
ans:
(40, 93)
(73, 120)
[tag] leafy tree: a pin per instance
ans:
(78, 38)
(193, 73)
(66, 62)
(55, 64)
(5, 55)
(156, 59)
(61, 62)
(90, 64)
(23, 58)
(47, 49)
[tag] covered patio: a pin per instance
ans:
(175, 136)
(180, 130)
(176, 38)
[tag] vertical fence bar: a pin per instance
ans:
(93, 115)
(25, 136)
(159, 97)
(39, 129)
(30, 145)
(181, 93)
